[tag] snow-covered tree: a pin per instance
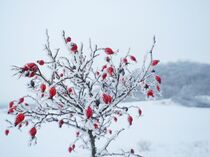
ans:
(75, 91)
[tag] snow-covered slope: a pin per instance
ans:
(164, 130)
(184, 82)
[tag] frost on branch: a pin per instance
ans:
(71, 90)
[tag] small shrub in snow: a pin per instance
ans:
(76, 92)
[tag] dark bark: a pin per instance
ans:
(92, 142)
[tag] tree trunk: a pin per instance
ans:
(92, 142)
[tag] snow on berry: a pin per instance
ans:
(107, 98)
(19, 118)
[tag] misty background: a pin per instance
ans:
(181, 28)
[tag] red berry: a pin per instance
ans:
(155, 62)
(74, 47)
(158, 79)
(140, 112)
(11, 104)
(110, 71)
(130, 120)
(43, 87)
(19, 126)
(108, 51)
(6, 132)
(110, 131)
(115, 119)
(70, 90)
(61, 75)
(95, 125)
(52, 92)
(133, 58)
(158, 88)
(68, 39)
(19, 118)
(89, 112)
(33, 132)
(97, 73)
(125, 60)
(70, 149)
(26, 123)
(77, 133)
(61, 122)
(21, 100)
(107, 98)
(41, 62)
(32, 74)
(29, 66)
(11, 110)
(73, 146)
(104, 76)
(104, 67)
(150, 93)
(107, 59)
(25, 68)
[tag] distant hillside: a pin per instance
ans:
(184, 79)
(187, 83)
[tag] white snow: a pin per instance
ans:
(164, 130)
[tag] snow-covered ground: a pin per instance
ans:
(164, 130)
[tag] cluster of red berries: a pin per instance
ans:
(29, 70)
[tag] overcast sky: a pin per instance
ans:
(182, 28)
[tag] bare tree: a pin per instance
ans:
(75, 92)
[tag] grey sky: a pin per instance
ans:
(182, 28)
